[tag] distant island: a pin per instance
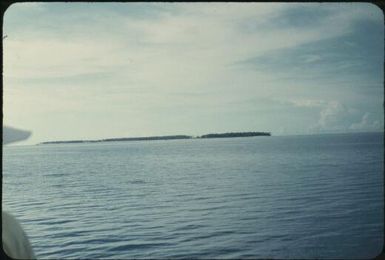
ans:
(239, 134)
(167, 137)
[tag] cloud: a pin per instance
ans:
(168, 47)
(367, 124)
(350, 54)
(334, 116)
(187, 33)
(348, 50)
(304, 16)
(305, 102)
(311, 58)
(337, 117)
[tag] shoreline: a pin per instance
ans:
(167, 137)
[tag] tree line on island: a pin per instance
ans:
(167, 137)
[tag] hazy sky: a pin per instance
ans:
(104, 70)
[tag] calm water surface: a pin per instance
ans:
(315, 196)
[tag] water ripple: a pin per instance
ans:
(281, 197)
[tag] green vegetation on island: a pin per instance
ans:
(236, 134)
(167, 137)
(148, 138)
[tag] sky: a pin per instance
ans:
(104, 70)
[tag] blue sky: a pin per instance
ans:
(103, 70)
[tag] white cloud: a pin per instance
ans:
(330, 117)
(337, 117)
(311, 58)
(307, 102)
(206, 35)
(367, 124)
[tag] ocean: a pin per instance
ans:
(310, 196)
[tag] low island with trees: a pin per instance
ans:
(167, 137)
(236, 134)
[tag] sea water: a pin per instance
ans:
(316, 196)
